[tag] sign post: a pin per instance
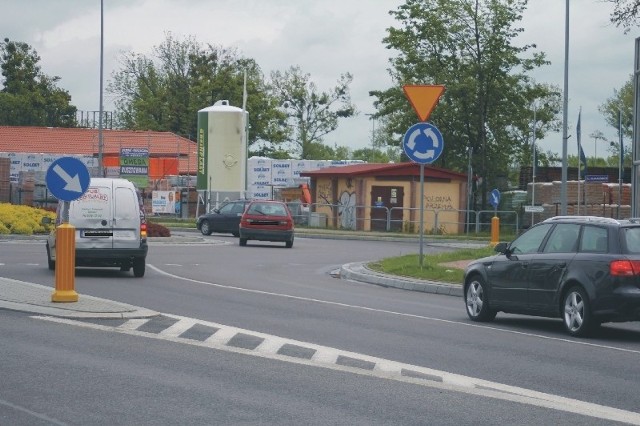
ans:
(494, 199)
(67, 179)
(423, 142)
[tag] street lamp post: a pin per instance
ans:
(533, 161)
(373, 135)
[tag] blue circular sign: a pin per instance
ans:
(67, 178)
(423, 143)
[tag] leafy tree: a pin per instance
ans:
(165, 91)
(28, 96)
(620, 102)
(625, 13)
(310, 114)
(467, 45)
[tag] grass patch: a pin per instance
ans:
(409, 265)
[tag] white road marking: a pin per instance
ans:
(134, 324)
(402, 314)
(47, 419)
(178, 328)
(385, 369)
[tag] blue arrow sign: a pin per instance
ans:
(494, 199)
(67, 178)
(423, 143)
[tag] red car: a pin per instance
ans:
(267, 221)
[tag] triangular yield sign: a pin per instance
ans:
(423, 98)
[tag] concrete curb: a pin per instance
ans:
(358, 271)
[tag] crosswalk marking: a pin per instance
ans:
(327, 357)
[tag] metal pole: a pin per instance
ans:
(563, 188)
(421, 210)
(100, 142)
(620, 165)
(533, 163)
(469, 191)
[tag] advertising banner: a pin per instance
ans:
(164, 202)
(134, 165)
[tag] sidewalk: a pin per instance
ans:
(34, 298)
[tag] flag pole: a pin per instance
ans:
(579, 159)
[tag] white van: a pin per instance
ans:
(111, 228)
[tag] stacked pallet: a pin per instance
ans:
(613, 193)
(541, 192)
(5, 183)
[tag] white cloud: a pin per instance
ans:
(326, 38)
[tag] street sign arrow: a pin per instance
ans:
(72, 183)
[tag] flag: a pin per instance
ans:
(582, 160)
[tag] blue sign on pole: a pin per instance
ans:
(494, 199)
(67, 178)
(423, 143)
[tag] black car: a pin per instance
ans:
(225, 219)
(583, 269)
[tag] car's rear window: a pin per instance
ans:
(270, 209)
(632, 239)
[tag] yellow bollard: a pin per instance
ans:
(495, 230)
(65, 264)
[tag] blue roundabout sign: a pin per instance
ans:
(423, 143)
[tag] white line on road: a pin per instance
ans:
(384, 369)
(403, 314)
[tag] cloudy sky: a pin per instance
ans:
(326, 38)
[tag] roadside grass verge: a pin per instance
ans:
(432, 268)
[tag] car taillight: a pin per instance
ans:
(625, 268)
(143, 230)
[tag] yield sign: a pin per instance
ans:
(423, 98)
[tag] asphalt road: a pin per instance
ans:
(290, 293)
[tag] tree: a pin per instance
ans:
(625, 13)
(310, 114)
(467, 45)
(620, 105)
(165, 91)
(28, 96)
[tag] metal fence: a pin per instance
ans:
(406, 220)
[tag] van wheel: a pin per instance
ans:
(138, 267)
(50, 263)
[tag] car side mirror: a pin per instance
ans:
(502, 248)
(216, 210)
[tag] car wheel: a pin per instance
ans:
(50, 263)
(243, 242)
(289, 244)
(476, 299)
(205, 228)
(576, 316)
(138, 267)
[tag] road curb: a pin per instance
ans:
(358, 271)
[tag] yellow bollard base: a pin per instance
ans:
(64, 296)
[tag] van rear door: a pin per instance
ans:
(92, 216)
(126, 216)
